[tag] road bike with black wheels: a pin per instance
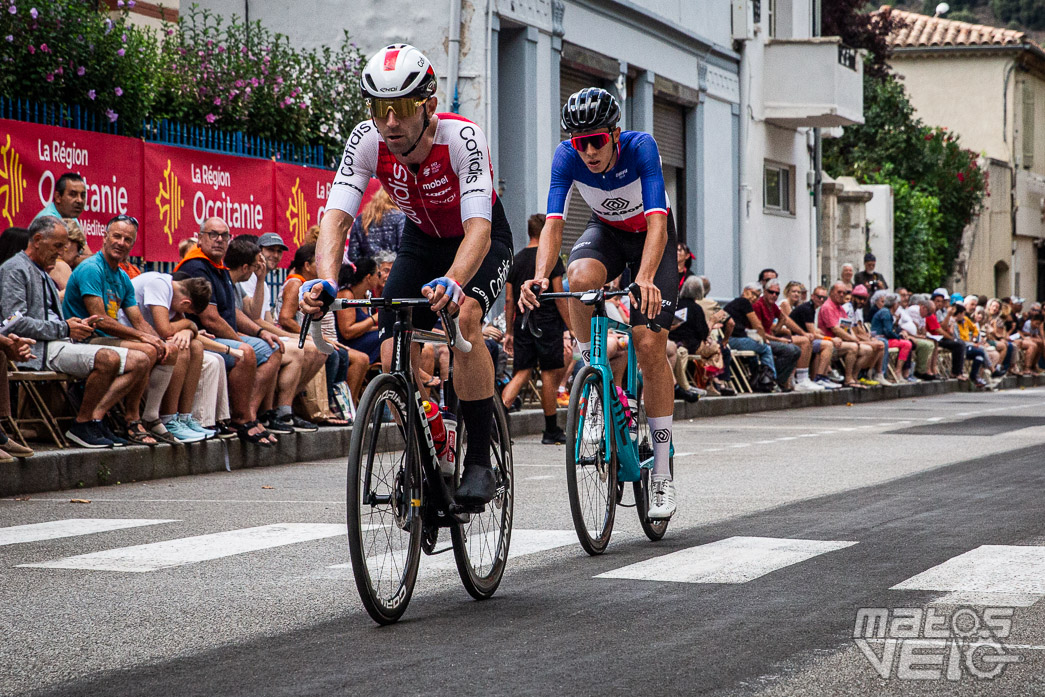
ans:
(608, 441)
(401, 493)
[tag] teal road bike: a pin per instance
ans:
(608, 443)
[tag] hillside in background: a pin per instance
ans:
(1022, 15)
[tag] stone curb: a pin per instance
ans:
(56, 470)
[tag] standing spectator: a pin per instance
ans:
(68, 199)
(766, 274)
(17, 349)
(790, 348)
(801, 317)
(111, 372)
(100, 288)
(684, 258)
(833, 320)
(870, 278)
(846, 275)
(748, 332)
(224, 321)
(551, 318)
(378, 228)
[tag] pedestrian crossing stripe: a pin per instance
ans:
(192, 550)
(523, 543)
(732, 560)
(1010, 574)
(71, 527)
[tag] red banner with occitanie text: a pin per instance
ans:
(185, 187)
(33, 157)
(301, 198)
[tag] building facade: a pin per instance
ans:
(987, 85)
(731, 90)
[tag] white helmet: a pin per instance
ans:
(399, 70)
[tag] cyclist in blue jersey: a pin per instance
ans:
(618, 173)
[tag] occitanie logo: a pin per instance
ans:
(169, 202)
(297, 213)
(12, 185)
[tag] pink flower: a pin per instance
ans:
(119, 3)
(32, 49)
(91, 94)
(130, 3)
(50, 77)
(80, 71)
(123, 38)
(112, 115)
(221, 49)
(254, 81)
(239, 83)
(120, 53)
(279, 80)
(13, 10)
(217, 101)
(118, 91)
(961, 177)
(211, 118)
(33, 13)
(9, 38)
(170, 32)
(60, 71)
(44, 48)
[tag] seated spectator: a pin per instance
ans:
(68, 199)
(800, 316)
(905, 297)
(100, 288)
(884, 326)
(692, 334)
(12, 241)
(948, 338)
(338, 365)
(789, 343)
(911, 323)
(185, 246)
(969, 334)
(748, 333)
(860, 329)
(71, 256)
(551, 319)
(378, 228)
(164, 302)
(1032, 343)
(19, 350)
(111, 372)
(357, 328)
(257, 296)
(834, 321)
(998, 338)
(252, 376)
(869, 278)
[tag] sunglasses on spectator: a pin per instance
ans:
(122, 218)
(402, 107)
(820, 297)
(596, 140)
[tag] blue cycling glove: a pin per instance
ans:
(453, 288)
(327, 296)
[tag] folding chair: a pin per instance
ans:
(29, 400)
(740, 374)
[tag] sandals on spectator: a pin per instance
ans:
(243, 431)
(855, 385)
(158, 431)
(434, 381)
(137, 434)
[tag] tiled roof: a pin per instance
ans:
(923, 31)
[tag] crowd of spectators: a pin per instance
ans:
(211, 351)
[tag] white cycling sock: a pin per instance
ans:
(159, 378)
(660, 433)
(585, 348)
(801, 374)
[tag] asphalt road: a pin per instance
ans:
(789, 524)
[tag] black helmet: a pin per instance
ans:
(589, 109)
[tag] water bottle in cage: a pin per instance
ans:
(448, 457)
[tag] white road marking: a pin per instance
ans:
(540, 476)
(71, 527)
(988, 569)
(523, 543)
(191, 550)
(732, 560)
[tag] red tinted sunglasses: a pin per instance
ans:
(596, 140)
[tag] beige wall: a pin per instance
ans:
(963, 93)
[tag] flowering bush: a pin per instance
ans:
(67, 52)
(245, 78)
(200, 72)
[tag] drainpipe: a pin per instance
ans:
(454, 54)
(818, 171)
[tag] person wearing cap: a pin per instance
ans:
(257, 298)
(870, 278)
(862, 333)
(949, 339)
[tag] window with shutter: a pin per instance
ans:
(1028, 126)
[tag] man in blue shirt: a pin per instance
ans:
(99, 287)
(70, 195)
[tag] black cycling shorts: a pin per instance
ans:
(423, 258)
(546, 352)
(618, 249)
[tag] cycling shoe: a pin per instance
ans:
(478, 486)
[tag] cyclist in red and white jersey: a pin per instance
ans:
(436, 167)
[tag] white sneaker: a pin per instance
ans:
(662, 499)
(826, 384)
(807, 385)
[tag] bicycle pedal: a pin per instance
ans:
(458, 509)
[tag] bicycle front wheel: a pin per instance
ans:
(481, 544)
(591, 463)
(384, 539)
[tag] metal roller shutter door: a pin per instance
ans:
(668, 129)
(577, 211)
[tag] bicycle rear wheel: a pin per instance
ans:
(481, 544)
(591, 463)
(384, 541)
(654, 529)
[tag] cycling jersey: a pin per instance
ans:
(453, 184)
(621, 197)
